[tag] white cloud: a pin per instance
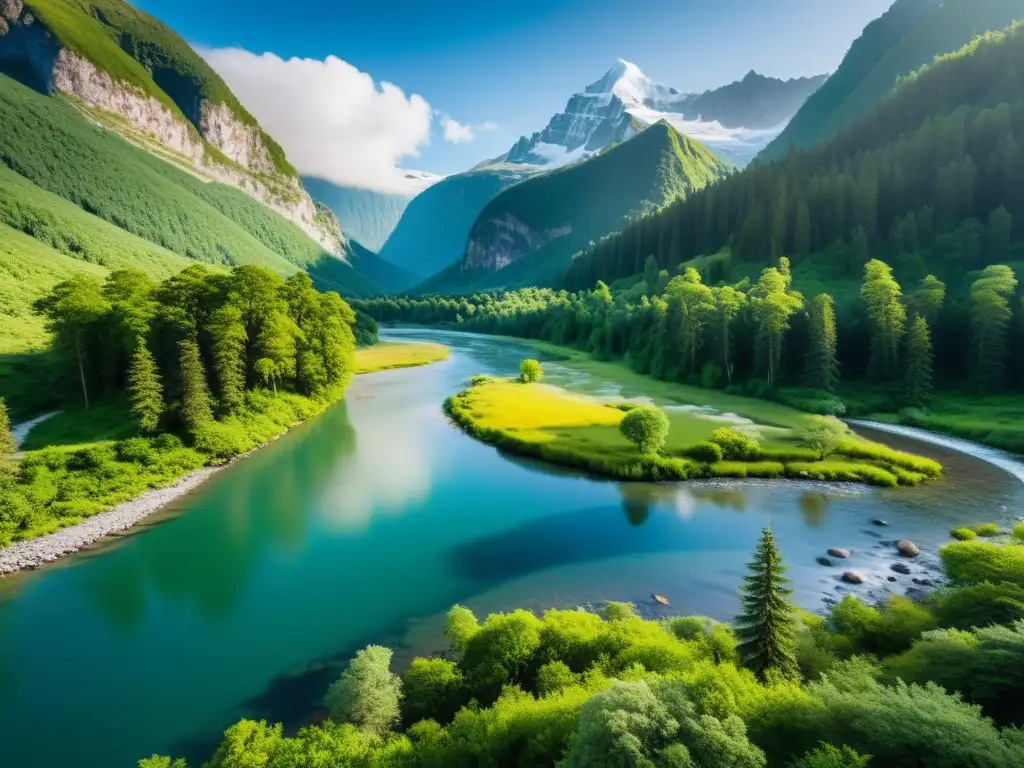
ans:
(455, 132)
(333, 121)
(489, 126)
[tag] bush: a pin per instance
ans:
(977, 605)
(987, 530)
(828, 756)
(963, 534)
(647, 427)
(975, 562)
(616, 611)
(554, 677)
(706, 452)
(480, 379)
(823, 434)
(135, 449)
(735, 445)
(530, 371)
(433, 688)
(1018, 533)
(221, 440)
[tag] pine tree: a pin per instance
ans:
(195, 397)
(918, 384)
(822, 363)
(7, 444)
(147, 394)
(229, 339)
(991, 315)
(883, 300)
(766, 628)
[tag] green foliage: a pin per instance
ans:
(824, 434)
(975, 562)
(977, 605)
(963, 534)
(647, 427)
(196, 409)
(555, 677)
(460, 628)
(433, 688)
(883, 301)
(147, 394)
(617, 611)
(822, 362)
(368, 693)
(918, 380)
(530, 372)
(887, 629)
(1018, 533)
(706, 452)
(990, 320)
(7, 444)
(827, 756)
(736, 446)
(766, 627)
(161, 762)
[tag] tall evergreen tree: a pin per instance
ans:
(766, 629)
(229, 342)
(822, 363)
(7, 444)
(990, 322)
(883, 300)
(918, 382)
(195, 396)
(147, 394)
(928, 299)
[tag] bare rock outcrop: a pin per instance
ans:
(498, 241)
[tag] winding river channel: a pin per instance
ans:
(366, 525)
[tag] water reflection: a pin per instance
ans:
(813, 505)
(205, 559)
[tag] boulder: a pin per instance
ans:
(880, 523)
(824, 561)
(852, 577)
(901, 568)
(924, 582)
(891, 578)
(842, 554)
(907, 548)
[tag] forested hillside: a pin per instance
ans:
(49, 142)
(527, 233)
(909, 35)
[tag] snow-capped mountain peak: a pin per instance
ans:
(631, 86)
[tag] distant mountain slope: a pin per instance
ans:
(910, 34)
(433, 229)
(384, 274)
(928, 181)
(367, 216)
(133, 74)
(50, 143)
(735, 121)
(528, 232)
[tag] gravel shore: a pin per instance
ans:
(46, 549)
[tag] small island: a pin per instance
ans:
(641, 442)
(390, 355)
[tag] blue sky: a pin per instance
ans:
(513, 64)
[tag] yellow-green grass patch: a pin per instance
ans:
(386, 355)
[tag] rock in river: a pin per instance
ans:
(901, 568)
(842, 554)
(824, 561)
(852, 577)
(880, 523)
(907, 548)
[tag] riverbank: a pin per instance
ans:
(567, 429)
(138, 462)
(391, 355)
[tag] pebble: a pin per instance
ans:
(842, 554)
(880, 523)
(824, 561)
(907, 548)
(901, 568)
(852, 577)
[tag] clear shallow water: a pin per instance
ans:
(366, 526)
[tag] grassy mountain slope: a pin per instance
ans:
(433, 229)
(528, 233)
(367, 216)
(48, 141)
(909, 35)
(384, 274)
(138, 49)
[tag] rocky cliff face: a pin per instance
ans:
(497, 242)
(31, 53)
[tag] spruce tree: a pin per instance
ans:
(195, 394)
(7, 444)
(918, 384)
(766, 628)
(822, 363)
(147, 394)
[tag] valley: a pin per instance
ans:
(379, 389)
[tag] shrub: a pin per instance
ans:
(433, 688)
(974, 562)
(554, 677)
(220, 440)
(977, 605)
(735, 445)
(616, 611)
(480, 379)
(647, 427)
(706, 452)
(1018, 533)
(530, 371)
(865, 449)
(963, 534)
(828, 756)
(986, 529)
(135, 449)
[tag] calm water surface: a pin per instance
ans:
(366, 526)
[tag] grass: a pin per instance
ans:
(82, 462)
(976, 562)
(575, 430)
(386, 356)
(996, 420)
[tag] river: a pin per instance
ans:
(366, 525)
